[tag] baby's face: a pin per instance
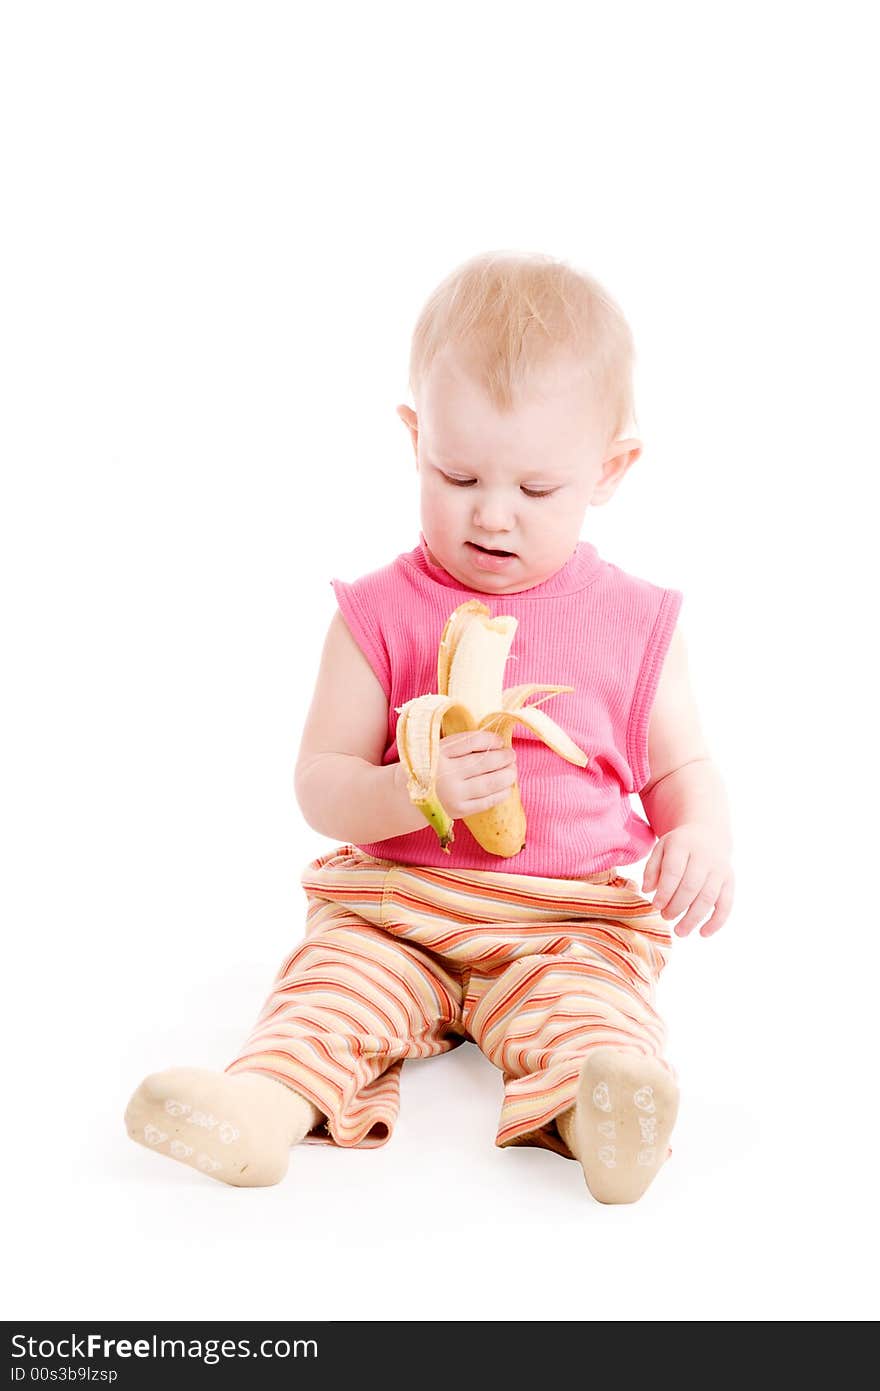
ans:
(519, 482)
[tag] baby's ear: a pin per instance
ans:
(630, 448)
(411, 421)
(618, 459)
(621, 456)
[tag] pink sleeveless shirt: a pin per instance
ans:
(591, 626)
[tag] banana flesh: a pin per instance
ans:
(473, 652)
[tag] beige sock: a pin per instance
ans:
(237, 1127)
(619, 1126)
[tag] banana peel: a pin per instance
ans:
(470, 695)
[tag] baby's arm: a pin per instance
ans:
(342, 788)
(686, 806)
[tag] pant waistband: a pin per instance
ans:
(602, 876)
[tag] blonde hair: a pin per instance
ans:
(513, 316)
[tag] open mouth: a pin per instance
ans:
(487, 551)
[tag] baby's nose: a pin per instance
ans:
(494, 518)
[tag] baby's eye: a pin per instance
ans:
(469, 483)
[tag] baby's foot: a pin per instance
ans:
(236, 1127)
(624, 1112)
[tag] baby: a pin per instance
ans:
(547, 960)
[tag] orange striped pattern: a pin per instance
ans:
(409, 961)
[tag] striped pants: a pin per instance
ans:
(402, 961)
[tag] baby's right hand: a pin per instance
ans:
(475, 771)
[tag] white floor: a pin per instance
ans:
(764, 1210)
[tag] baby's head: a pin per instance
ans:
(521, 371)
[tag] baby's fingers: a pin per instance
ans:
(487, 789)
(703, 902)
(671, 872)
(493, 799)
(722, 910)
(470, 741)
(494, 763)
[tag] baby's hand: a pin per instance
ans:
(691, 871)
(475, 771)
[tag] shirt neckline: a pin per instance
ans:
(581, 569)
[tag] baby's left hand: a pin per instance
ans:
(691, 871)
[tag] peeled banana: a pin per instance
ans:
(470, 669)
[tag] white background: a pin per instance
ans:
(220, 224)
